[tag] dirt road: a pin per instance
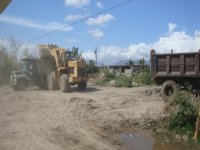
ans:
(41, 120)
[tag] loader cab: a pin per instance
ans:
(70, 56)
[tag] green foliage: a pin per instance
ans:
(7, 68)
(91, 66)
(108, 74)
(184, 111)
(141, 62)
(103, 81)
(143, 77)
(123, 81)
(9, 58)
(9, 64)
(130, 62)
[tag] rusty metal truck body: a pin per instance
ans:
(175, 68)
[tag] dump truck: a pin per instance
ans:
(32, 71)
(56, 68)
(172, 69)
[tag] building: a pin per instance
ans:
(128, 70)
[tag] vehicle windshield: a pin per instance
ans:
(24, 67)
(69, 55)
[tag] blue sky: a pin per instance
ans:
(129, 31)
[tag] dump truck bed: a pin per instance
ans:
(172, 69)
(175, 65)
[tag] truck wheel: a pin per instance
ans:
(42, 86)
(15, 88)
(168, 89)
(50, 82)
(64, 83)
(21, 85)
(82, 85)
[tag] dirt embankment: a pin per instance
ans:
(88, 120)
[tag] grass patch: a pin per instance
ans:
(123, 81)
(103, 81)
(108, 76)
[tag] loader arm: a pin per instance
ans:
(58, 54)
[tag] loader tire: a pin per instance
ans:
(51, 82)
(82, 85)
(64, 83)
(168, 89)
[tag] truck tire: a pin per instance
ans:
(64, 83)
(15, 88)
(42, 85)
(21, 85)
(168, 89)
(82, 85)
(51, 82)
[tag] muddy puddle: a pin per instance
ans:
(141, 141)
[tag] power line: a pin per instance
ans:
(79, 21)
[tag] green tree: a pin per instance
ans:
(92, 67)
(141, 62)
(9, 58)
(75, 51)
(130, 62)
(76, 54)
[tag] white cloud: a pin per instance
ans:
(99, 4)
(197, 34)
(77, 3)
(72, 17)
(178, 41)
(31, 24)
(171, 27)
(96, 33)
(100, 20)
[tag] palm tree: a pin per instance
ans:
(75, 51)
(130, 62)
(141, 62)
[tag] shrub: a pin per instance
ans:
(143, 77)
(108, 74)
(6, 69)
(123, 81)
(184, 111)
(103, 81)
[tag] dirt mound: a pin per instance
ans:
(84, 104)
(153, 92)
(60, 136)
(95, 77)
(39, 119)
(82, 100)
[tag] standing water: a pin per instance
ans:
(140, 141)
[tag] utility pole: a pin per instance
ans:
(95, 52)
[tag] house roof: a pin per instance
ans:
(3, 5)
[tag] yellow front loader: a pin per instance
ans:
(70, 69)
